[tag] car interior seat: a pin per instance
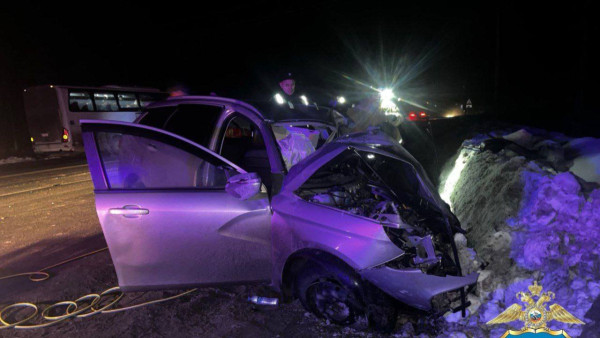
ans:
(255, 158)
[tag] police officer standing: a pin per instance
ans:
(288, 85)
(288, 95)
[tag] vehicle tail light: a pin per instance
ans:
(65, 135)
(233, 133)
(412, 116)
(422, 115)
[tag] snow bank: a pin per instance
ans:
(13, 159)
(585, 154)
(528, 217)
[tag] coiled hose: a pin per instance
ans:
(71, 308)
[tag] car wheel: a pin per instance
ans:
(339, 295)
(327, 295)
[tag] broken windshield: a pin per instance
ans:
(297, 140)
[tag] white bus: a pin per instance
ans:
(53, 112)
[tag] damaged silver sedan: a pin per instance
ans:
(208, 190)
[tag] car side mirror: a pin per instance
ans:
(243, 186)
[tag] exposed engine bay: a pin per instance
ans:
(388, 191)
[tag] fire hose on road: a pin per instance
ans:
(72, 309)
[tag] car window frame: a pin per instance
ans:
(225, 125)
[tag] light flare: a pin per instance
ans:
(279, 99)
(454, 176)
(304, 99)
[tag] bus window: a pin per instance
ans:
(105, 102)
(128, 101)
(80, 101)
(146, 99)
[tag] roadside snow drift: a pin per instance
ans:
(530, 202)
(14, 159)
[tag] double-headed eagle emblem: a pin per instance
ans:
(535, 316)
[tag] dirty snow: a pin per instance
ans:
(528, 219)
(14, 159)
(586, 158)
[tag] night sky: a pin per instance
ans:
(533, 64)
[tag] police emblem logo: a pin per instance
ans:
(535, 315)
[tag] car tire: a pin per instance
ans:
(329, 294)
(339, 295)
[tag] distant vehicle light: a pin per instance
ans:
(412, 116)
(453, 112)
(279, 98)
(65, 135)
(32, 140)
(304, 99)
(422, 114)
(341, 99)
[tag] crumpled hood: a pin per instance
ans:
(371, 140)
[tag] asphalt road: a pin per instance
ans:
(47, 214)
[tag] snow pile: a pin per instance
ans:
(14, 159)
(528, 218)
(586, 158)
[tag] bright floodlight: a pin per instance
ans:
(341, 99)
(386, 94)
(304, 100)
(279, 98)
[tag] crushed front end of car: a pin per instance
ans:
(380, 214)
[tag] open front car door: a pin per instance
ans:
(165, 212)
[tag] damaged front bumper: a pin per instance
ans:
(412, 286)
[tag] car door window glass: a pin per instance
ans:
(157, 117)
(195, 122)
(138, 162)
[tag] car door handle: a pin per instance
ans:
(128, 211)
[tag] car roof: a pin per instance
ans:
(266, 110)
